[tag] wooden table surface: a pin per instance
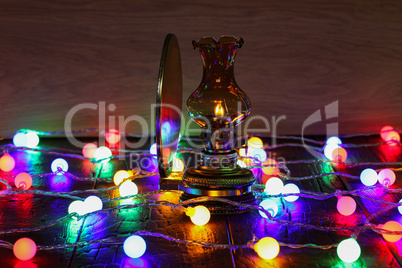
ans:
(28, 210)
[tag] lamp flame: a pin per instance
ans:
(219, 110)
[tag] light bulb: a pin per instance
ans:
(334, 140)
(346, 205)
(199, 215)
(328, 149)
(385, 130)
(24, 249)
(120, 175)
(77, 206)
(269, 205)
(242, 152)
(32, 139)
(400, 207)
(178, 165)
(386, 177)
(152, 150)
(291, 188)
(267, 248)
(369, 177)
(23, 181)
(134, 246)
(112, 136)
(20, 139)
(339, 155)
(128, 188)
(218, 104)
(348, 250)
(92, 203)
(241, 164)
(255, 143)
(7, 162)
(103, 153)
(392, 138)
(259, 155)
(59, 165)
(89, 150)
(392, 226)
(271, 167)
(274, 186)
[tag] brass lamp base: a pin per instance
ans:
(231, 183)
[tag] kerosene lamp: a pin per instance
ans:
(218, 105)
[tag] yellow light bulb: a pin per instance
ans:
(201, 215)
(178, 165)
(255, 143)
(120, 175)
(267, 248)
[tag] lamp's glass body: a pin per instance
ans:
(218, 104)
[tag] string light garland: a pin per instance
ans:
(266, 247)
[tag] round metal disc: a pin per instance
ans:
(168, 105)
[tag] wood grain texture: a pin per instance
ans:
(298, 57)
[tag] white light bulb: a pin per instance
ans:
(92, 203)
(334, 140)
(369, 177)
(291, 188)
(128, 188)
(274, 186)
(32, 140)
(59, 165)
(328, 149)
(269, 205)
(20, 139)
(152, 150)
(134, 246)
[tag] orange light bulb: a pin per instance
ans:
(339, 155)
(271, 167)
(7, 162)
(392, 226)
(24, 249)
(23, 181)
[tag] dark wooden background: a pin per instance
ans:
(298, 57)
